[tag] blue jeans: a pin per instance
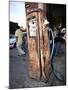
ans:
(58, 48)
(24, 47)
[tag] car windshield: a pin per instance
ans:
(12, 36)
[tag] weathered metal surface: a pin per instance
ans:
(38, 49)
(46, 55)
(33, 51)
(44, 49)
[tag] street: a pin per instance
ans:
(18, 71)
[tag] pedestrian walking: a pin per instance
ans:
(24, 46)
(19, 40)
(59, 44)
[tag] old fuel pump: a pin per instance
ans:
(38, 46)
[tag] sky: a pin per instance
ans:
(17, 13)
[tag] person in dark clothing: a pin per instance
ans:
(25, 42)
(59, 44)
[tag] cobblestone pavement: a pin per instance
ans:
(18, 71)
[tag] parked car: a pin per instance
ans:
(12, 41)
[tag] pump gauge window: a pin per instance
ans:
(32, 27)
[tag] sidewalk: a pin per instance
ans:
(19, 77)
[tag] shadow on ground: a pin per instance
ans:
(18, 72)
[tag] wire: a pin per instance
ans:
(55, 72)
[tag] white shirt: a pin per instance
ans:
(19, 34)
